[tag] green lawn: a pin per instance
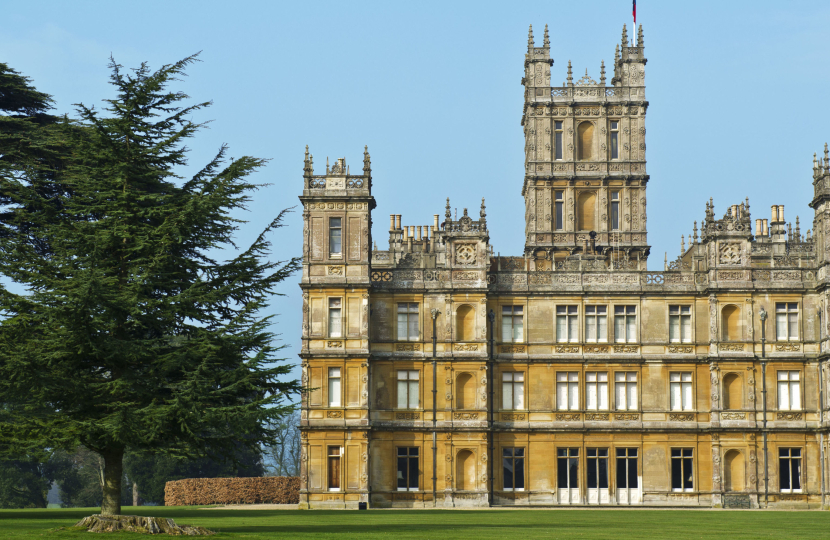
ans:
(444, 524)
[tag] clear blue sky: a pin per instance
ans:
(737, 90)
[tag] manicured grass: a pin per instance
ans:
(445, 524)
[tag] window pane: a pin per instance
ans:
(334, 390)
(796, 474)
(573, 464)
(592, 473)
(793, 328)
(795, 395)
(676, 473)
(631, 334)
(674, 391)
(686, 332)
(784, 473)
(632, 396)
(558, 145)
(619, 329)
(603, 473)
(591, 396)
(781, 325)
(518, 327)
(403, 399)
(783, 396)
(413, 395)
(591, 328)
(573, 330)
(603, 395)
(519, 395)
(620, 395)
(519, 466)
(562, 473)
(688, 482)
(507, 395)
(413, 473)
(574, 396)
(621, 472)
(561, 328)
(674, 328)
(687, 396)
(632, 472)
(507, 472)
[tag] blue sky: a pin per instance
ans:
(737, 90)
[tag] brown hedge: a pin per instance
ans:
(264, 490)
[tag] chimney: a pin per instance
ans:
(774, 215)
(397, 222)
(766, 228)
(759, 227)
(391, 222)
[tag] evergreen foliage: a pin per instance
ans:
(128, 333)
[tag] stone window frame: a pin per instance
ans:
(513, 370)
(801, 404)
(799, 319)
(500, 307)
(802, 477)
(681, 370)
(674, 303)
(568, 339)
(342, 217)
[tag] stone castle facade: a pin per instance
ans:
(443, 375)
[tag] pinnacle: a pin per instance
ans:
(547, 38)
(530, 43)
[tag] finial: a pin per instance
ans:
(571, 75)
(683, 244)
(327, 165)
(483, 211)
(747, 207)
(815, 162)
(306, 152)
(367, 161)
(448, 211)
(640, 36)
(602, 73)
(547, 38)
(790, 232)
(311, 163)
(695, 229)
(530, 43)
(616, 53)
(797, 230)
(625, 37)
(665, 260)
(826, 157)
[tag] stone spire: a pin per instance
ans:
(570, 74)
(547, 38)
(367, 162)
(625, 36)
(640, 36)
(530, 43)
(483, 214)
(602, 73)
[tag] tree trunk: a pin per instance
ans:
(113, 462)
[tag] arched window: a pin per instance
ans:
(733, 471)
(465, 323)
(585, 141)
(465, 388)
(731, 323)
(586, 211)
(465, 471)
(732, 392)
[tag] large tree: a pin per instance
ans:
(126, 329)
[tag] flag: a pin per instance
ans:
(634, 11)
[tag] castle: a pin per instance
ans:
(443, 375)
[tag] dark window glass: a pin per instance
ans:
(408, 470)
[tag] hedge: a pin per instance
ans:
(263, 490)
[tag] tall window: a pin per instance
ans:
(625, 324)
(335, 236)
(567, 468)
(559, 205)
(408, 394)
(334, 468)
(625, 387)
(408, 322)
(513, 473)
(789, 390)
(512, 324)
(615, 210)
(615, 139)
(407, 468)
(596, 391)
(681, 469)
(786, 321)
(567, 328)
(334, 387)
(596, 323)
(335, 317)
(512, 391)
(627, 468)
(680, 389)
(557, 140)
(597, 463)
(680, 324)
(789, 469)
(567, 391)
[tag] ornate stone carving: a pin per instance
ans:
(733, 416)
(465, 254)
(680, 349)
(790, 416)
(334, 414)
(566, 349)
(512, 417)
(465, 347)
(568, 417)
(681, 417)
(626, 417)
(512, 349)
(465, 416)
(403, 347)
(596, 417)
(788, 347)
(407, 416)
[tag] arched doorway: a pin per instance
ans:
(465, 471)
(732, 392)
(733, 471)
(465, 387)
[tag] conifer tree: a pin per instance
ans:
(130, 331)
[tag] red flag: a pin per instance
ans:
(634, 11)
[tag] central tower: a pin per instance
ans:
(585, 161)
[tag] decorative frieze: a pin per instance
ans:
(407, 347)
(790, 416)
(568, 417)
(681, 417)
(733, 416)
(513, 349)
(596, 417)
(512, 417)
(788, 347)
(465, 416)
